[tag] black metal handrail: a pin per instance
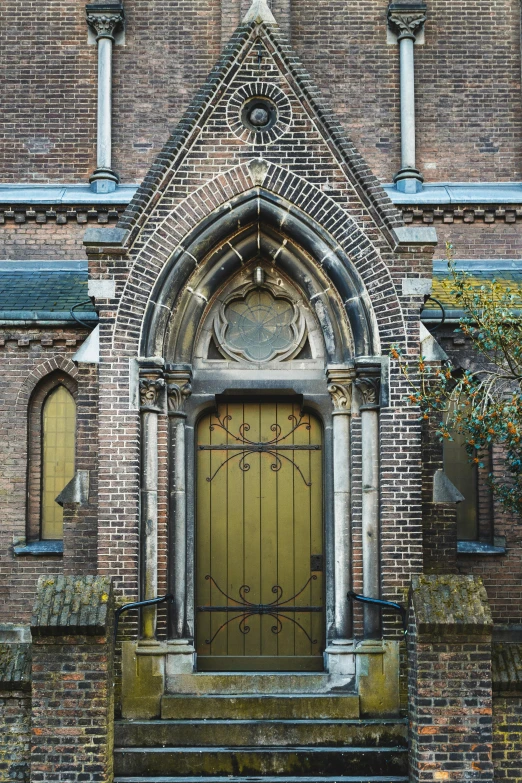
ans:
(169, 598)
(384, 604)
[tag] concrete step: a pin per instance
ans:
(265, 779)
(237, 733)
(253, 707)
(232, 683)
(255, 761)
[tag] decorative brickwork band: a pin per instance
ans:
(340, 382)
(368, 384)
(104, 19)
(179, 388)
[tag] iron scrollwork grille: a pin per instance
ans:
(277, 609)
(274, 447)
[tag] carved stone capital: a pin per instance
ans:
(179, 389)
(104, 19)
(151, 386)
(369, 387)
(406, 19)
(340, 387)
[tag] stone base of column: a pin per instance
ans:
(181, 658)
(408, 180)
(103, 181)
(143, 680)
(377, 669)
(339, 657)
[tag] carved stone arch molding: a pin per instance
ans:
(164, 243)
(260, 224)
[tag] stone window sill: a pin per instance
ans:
(40, 549)
(479, 548)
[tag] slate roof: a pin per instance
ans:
(508, 273)
(44, 290)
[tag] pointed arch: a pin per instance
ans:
(342, 255)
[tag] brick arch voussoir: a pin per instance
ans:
(46, 368)
(222, 190)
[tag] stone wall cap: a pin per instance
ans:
(415, 235)
(105, 237)
(72, 605)
(451, 604)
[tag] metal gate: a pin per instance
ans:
(259, 539)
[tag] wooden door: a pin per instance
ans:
(259, 539)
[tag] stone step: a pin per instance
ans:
(237, 733)
(253, 707)
(264, 779)
(232, 683)
(255, 761)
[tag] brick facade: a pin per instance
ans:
(179, 133)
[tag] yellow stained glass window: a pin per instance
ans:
(59, 431)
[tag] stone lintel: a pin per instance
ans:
(449, 605)
(410, 236)
(72, 605)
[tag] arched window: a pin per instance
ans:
(58, 447)
(51, 454)
(464, 475)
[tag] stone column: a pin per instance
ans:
(151, 387)
(368, 383)
(406, 19)
(180, 650)
(178, 390)
(104, 19)
(340, 650)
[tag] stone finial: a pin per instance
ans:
(406, 19)
(340, 386)
(259, 12)
(104, 18)
(72, 605)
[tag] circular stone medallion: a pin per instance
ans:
(259, 113)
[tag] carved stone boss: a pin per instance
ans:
(340, 381)
(104, 19)
(368, 385)
(407, 19)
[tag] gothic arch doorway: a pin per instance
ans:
(259, 538)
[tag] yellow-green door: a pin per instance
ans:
(259, 539)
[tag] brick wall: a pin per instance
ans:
(26, 357)
(450, 682)
(72, 695)
(15, 712)
(507, 730)
(468, 83)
